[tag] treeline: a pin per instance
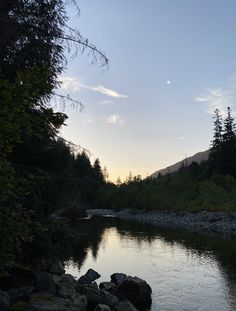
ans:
(39, 171)
(210, 185)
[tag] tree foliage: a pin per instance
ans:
(38, 170)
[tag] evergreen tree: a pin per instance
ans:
(97, 172)
(229, 134)
(218, 128)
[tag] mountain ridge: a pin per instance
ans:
(198, 157)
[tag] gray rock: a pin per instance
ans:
(48, 302)
(108, 286)
(45, 282)
(66, 285)
(125, 305)
(118, 277)
(67, 288)
(57, 268)
(94, 285)
(4, 301)
(89, 277)
(102, 307)
(136, 290)
(22, 293)
(96, 297)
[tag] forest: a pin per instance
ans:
(210, 185)
(41, 173)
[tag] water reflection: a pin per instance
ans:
(187, 271)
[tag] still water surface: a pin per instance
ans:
(187, 271)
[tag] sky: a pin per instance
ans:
(171, 64)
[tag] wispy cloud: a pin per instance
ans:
(114, 119)
(105, 102)
(74, 84)
(108, 92)
(217, 98)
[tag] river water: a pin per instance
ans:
(187, 271)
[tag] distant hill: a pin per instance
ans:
(198, 157)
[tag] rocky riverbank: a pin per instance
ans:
(50, 289)
(217, 222)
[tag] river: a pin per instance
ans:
(187, 271)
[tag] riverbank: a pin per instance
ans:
(217, 222)
(49, 288)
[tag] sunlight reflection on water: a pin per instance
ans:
(181, 277)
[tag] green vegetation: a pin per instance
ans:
(210, 185)
(40, 172)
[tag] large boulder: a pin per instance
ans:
(108, 286)
(67, 288)
(4, 301)
(118, 277)
(96, 297)
(67, 285)
(89, 277)
(125, 305)
(136, 290)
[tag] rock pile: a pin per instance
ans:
(53, 290)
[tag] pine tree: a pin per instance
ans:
(229, 134)
(218, 128)
(97, 172)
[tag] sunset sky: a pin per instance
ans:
(171, 63)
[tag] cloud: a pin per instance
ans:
(114, 119)
(105, 102)
(108, 92)
(75, 84)
(217, 98)
(71, 84)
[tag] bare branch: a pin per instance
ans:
(66, 98)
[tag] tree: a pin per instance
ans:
(229, 134)
(97, 172)
(34, 36)
(218, 128)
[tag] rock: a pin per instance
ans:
(48, 302)
(136, 290)
(57, 268)
(96, 297)
(22, 293)
(4, 301)
(67, 288)
(66, 285)
(45, 283)
(125, 305)
(118, 277)
(102, 307)
(89, 277)
(108, 286)
(94, 285)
